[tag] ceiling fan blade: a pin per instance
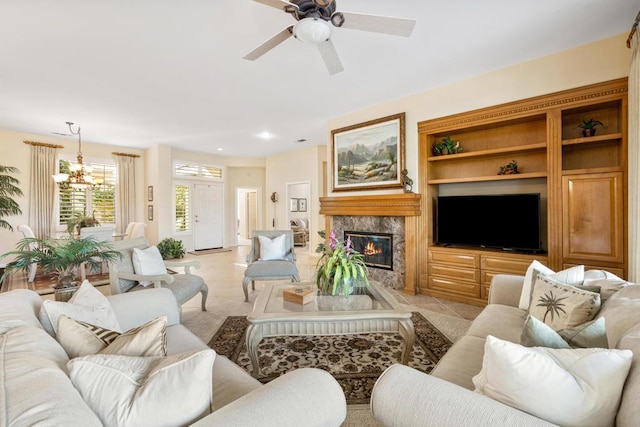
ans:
(378, 24)
(330, 57)
(269, 44)
(279, 4)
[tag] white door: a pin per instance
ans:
(252, 213)
(207, 216)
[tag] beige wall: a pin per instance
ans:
(13, 152)
(238, 172)
(604, 60)
(302, 165)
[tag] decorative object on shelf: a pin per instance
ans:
(80, 220)
(407, 183)
(8, 188)
(370, 155)
(589, 126)
(446, 146)
(79, 176)
(61, 257)
(170, 248)
(509, 168)
(339, 267)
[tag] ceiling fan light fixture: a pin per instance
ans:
(312, 30)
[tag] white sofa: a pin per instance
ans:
(35, 388)
(446, 397)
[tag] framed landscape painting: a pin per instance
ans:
(370, 155)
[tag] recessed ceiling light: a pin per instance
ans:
(220, 149)
(300, 140)
(266, 135)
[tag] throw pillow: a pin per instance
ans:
(88, 305)
(82, 339)
(562, 306)
(588, 335)
(146, 391)
(569, 387)
(272, 249)
(608, 282)
(529, 279)
(571, 276)
(148, 262)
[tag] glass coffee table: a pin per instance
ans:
(366, 311)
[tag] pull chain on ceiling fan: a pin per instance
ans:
(313, 18)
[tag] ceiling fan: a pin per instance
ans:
(313, 18)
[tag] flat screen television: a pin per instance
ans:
(505, 221)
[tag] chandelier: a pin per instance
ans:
(79, 176)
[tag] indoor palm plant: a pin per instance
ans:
(8, 189)
(339, 266)
(61, 257)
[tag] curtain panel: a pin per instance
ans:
(634, 161)
(125, 191)
(42, 190)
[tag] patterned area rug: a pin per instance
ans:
(356, 361)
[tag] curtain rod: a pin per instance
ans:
(42, 144)
(125, 154)
(633, 30)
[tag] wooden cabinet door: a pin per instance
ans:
(593, 218)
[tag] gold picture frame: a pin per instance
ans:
(369, 155)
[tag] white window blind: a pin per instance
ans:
(99, 201)
(184, 170)
(183, 222)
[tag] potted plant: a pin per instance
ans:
(80, 220)
(589, 126)
(339, 266)
(8, 189)
(446, 146)
(62, 258)
(170, 248)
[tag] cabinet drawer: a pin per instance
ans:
(472, 275)
(506, 265)
(454, 258)
(484, 290)
(454, 287)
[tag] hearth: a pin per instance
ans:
(377, 248)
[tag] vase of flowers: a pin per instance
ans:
(340, 267)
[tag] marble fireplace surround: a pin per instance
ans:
(389, 213)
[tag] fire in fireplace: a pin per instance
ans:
(377, 248)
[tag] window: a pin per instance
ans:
(183, 221)
(99, 201)
(185, 170)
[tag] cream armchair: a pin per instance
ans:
(122, 277)
(273, 269)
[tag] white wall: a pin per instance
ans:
(603, 60)
(13, 152)
(299, 165)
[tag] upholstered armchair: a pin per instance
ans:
(123, 277)
(300, 229)
(272, 257)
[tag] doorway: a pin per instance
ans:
(208, 208)
(299, 211)
(247, 214)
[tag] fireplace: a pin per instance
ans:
(377, 248)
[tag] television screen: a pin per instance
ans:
(507, 221)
